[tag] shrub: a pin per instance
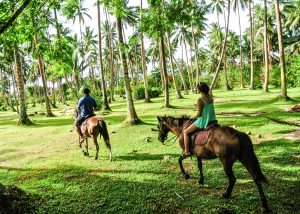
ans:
(139, 92)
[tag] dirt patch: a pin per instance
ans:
(14, 200)
(294, 135)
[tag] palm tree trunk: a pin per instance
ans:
(105, 102)
(111, 60)
(144, 66)
(281, 50)
(42, 74)
(241, 51)
(196, 56)
(162, 77)
(181, 76)
(14, 83)
(187, 62)
(164, 68)
(132, 117)
(3, 90)
(178, 95)
(23, 118)
(251, 47)
(73, 89)
(222, 51)
(266, 81)
(182, 73)
(53, 93)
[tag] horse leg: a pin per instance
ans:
(86, 147)
(231, 179)
(185, 175)
(97, 146)
(201, 179)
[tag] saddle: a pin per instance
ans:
(200, 137)
(87, 119)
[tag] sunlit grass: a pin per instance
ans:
(45, 160)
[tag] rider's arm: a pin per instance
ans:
(94, 103)
(79, 103)
(200, 107)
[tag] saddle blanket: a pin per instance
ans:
(201, 137)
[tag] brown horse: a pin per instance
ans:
(224, 143)
(92, 127)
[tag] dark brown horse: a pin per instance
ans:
(92, 127)
(224, 143)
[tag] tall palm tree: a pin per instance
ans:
(266, 53)
(178, 95)
(223, 49)
(23, 118)
(105, 102)
(144, 66)
(237, 4)
(251, 86)
(132, 117)
(281, 50)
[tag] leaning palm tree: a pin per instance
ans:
(223, 48)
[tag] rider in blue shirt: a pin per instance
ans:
(86, 105)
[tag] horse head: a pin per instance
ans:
(163, 129)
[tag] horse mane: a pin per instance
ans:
(177, 121)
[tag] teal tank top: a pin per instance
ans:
(208, 115)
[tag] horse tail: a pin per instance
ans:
(104, 133)
(248, 158)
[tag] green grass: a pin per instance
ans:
(45, 160)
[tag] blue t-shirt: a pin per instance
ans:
(87, 104)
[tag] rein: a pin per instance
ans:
(175, 136)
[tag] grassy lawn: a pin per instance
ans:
(45, 161)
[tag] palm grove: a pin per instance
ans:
(43, 62)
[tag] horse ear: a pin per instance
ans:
(158, 118)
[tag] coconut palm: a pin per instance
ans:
(103, 84)
(281, 50)
(237, 4)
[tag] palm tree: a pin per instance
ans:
(105, 102)
(144, 66)
(132, 117)
(236, 7)
(251, 86)
(23, 118)
(223, 48)
(281, 50)
(178, 95)
(266, 54)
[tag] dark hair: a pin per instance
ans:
(203, 87)
(86, 91)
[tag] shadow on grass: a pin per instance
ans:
(144, 156)
(79, 190)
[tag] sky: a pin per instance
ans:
(92, 10)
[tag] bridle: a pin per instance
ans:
(166, 135)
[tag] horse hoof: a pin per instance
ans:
(96, 158)
(226, 195)
(186, 176)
